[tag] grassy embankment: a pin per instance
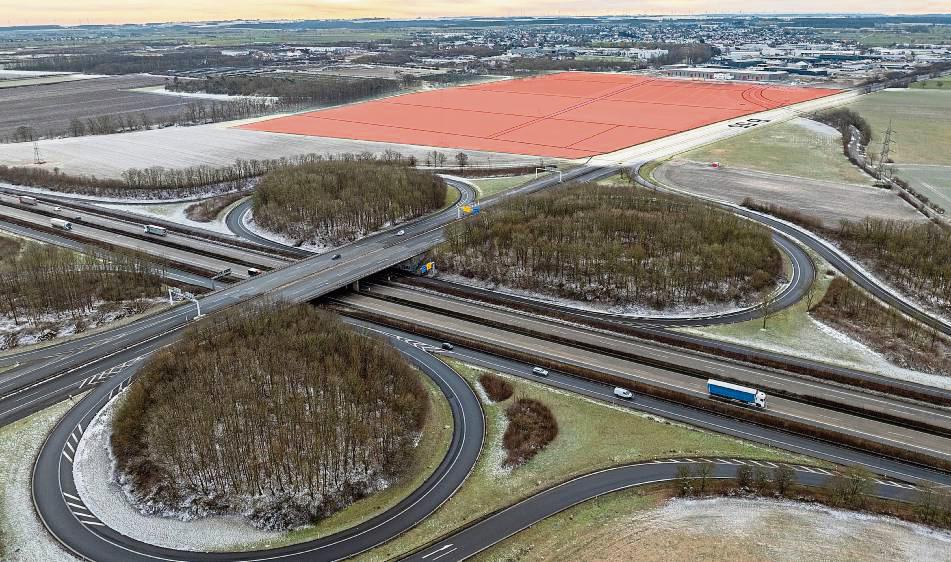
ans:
(786, 148)
(589, 438)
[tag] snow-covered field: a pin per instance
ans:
(95, 482)
(741, 529)
(22, 535)
(218, 144)
(174, 212)
(198, 95)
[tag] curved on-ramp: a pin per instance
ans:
(62, 511)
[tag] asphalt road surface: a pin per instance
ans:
(62, 510)
(178, 275)
(70, 521)
(780, 407)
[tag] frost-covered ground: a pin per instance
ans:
(198, 95)
(740, 529)
(95, 481)
(23, 538)
(175, 212)
(633, 311)
(51, 326)
(248, 221)
(98, 199)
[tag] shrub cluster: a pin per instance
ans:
(496, 387)
(532, 426)
(337, 202)
(38, 280)
(614, 244)
(290, 89)
(901, 340)
(290, 416)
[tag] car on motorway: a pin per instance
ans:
(447, 346)
(623, 393)
(57, 209)
(540, 371)
(253, 271)
(335, 257)
(400, 232)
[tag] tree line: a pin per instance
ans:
(196, 113)
(39, 281)
(290, 89)
(915, 257)
(291, 416)
(898, 338)
(614, 245)
(338, 201)
(117, 63)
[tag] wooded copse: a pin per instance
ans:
(898, 338)
(615, 245)
(40, 283)
(290, 89)
(334, 202)
(914, 257)
(291, 416)
(165, 183)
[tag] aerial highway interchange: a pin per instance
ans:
(104, 363)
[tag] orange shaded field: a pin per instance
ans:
(566, 115)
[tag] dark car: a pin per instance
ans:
(335, 257)
(447, 346)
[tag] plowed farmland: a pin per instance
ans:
(565, 115)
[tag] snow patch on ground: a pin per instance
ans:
(816, 127)
(174, 212)
(783, 530)
(248, 221)
(199, 95)
(211, 191)
(93, 471)
(24, 536)
(627, 310)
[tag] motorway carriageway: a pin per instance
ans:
(63, 511)
(648, 328)
(127, 234)
(873, 430)
(178, 275)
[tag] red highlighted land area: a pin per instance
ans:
(566, 115)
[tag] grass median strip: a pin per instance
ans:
(592, 435)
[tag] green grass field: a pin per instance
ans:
(786, 148)
(943, 83)
(932, 181)
(592, 435)
(921, 120)
(490, 186)
(885, 38)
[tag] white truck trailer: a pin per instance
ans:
(60, 223)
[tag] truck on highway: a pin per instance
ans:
(156, 230)
(27, 200)
(60, 223)
(736, 393)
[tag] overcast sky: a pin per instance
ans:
(24, 12)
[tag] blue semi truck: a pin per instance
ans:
(736, 393)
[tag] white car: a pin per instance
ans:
(623, 393)
(400, 232)
(540, 372)
(57, 209)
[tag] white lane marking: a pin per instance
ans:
(72, 496)
(445, 553)
(438, 550)
(67, 456)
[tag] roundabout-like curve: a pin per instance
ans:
(62, 511)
